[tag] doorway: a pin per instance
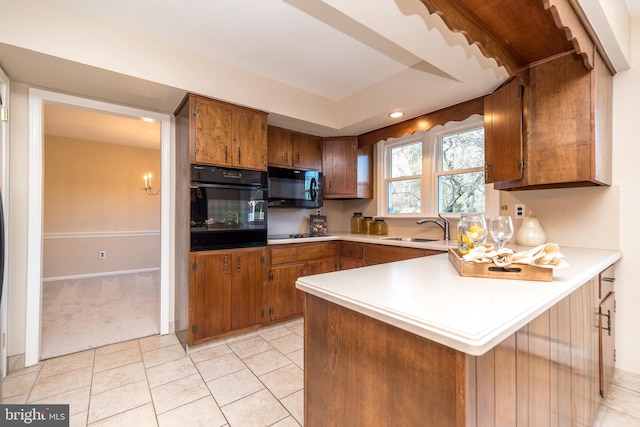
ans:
(38, 99)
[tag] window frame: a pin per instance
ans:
(431, 170)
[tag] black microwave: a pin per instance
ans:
(293, 188)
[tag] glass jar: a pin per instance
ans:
(356, 220)
(379, 226)
(365, 225)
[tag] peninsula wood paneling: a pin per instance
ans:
(360, 371)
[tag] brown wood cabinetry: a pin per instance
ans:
(381, 254)
(290, 149)
(503, 136)
(606, 322)
(567, 127)
(544, 374)
(354, 254)
(288, 262)
(223, 134)
(225, 292)
(351, 255)
(347, 168)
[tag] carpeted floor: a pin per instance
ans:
(80, 314)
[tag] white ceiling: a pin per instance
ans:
(327, 67)
(357, 63)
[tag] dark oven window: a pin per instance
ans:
(227, 217)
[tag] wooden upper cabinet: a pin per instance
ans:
(249, 139)
(307, 151)
(213, 131)
(503, 133)
(279, 147)
(290, 149)
(347, 168)
(224, 134)
(568, 126)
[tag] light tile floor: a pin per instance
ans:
(254, 379)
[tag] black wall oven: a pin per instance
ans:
(228, 208)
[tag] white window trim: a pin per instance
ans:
(429, 158)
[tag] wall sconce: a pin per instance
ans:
(147, 186)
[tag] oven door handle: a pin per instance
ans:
(230, 186)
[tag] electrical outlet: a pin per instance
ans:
(102, 255)
(520, 210)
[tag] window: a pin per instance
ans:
(438, 171)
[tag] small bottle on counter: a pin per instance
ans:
(379, 226)
(356, 221)
(365, 225)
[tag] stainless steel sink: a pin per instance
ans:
(411, 239)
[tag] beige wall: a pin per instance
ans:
(93, 201)
(92, 186)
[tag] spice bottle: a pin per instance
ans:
(356, 221)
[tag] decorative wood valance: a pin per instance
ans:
(425, 122)
(517, 33)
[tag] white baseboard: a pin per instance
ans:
(102, 274)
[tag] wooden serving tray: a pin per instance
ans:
(526, 272)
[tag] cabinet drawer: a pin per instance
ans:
(379, 254)
(351, 250)
(302, 252)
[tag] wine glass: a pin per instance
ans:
(501, 229)
(475, 228)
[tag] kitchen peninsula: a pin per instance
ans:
(413, 343)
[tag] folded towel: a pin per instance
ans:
(546, 256)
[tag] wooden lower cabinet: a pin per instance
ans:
(288, 262)
(225, 292)
(606, 322)
(354, 254)
(364, 372)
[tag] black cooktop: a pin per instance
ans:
(294, 236)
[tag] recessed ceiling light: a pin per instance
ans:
(396, 114)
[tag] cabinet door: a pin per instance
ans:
(340, 167)
(607, 341)
(247, 272)
(213, 132)
(307, 151)
(249, 139)
(503, 133)
(283, 295)
(209, 299)
(279, 147)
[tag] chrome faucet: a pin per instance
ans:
(442, 222)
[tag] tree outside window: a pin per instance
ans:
(439, 171)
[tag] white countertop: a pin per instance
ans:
(427, 297)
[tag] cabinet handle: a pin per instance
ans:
(238, 266)
(609, 279)
(286, 157)
(226, 264)
(298, 158)
(239, 158)
(608, 316)
(226, 154)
